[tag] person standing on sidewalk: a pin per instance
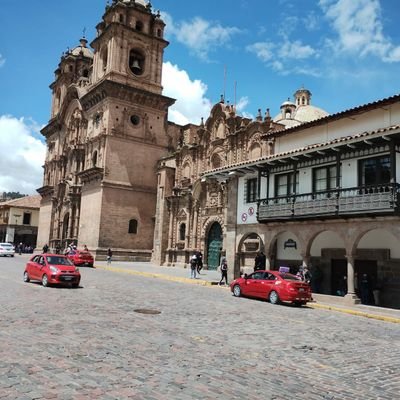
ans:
(224, 271)
(193, 266)
(109, 256)
(199, 263)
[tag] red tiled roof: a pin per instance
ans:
(24, 202)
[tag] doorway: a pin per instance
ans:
(338, 277)
(214, 246)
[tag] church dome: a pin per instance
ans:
(141, 2)
(300, 111)
(309, 113)
(82, 49)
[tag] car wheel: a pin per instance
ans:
(274, 297)
(12, 255)
(26, 277)
(237, 292)
(45, 280)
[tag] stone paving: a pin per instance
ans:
(89, 343)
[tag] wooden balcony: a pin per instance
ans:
(357, 201)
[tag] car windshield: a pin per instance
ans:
(289, 277)
(6, 245)
(57, 260)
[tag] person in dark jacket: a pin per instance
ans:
(109, 256)
(224, 271)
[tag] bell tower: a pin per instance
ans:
(127, 132)
(129, 46)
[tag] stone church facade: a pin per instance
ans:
(108, 129)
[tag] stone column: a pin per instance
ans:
(171, 217)
(230, 225)
(268, 261)
(350, 297)
(194, 232)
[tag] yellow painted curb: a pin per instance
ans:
(355, 312)
(159, 276)
(210, 284)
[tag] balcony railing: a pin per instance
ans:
(331, 203)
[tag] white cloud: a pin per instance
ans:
(2, 60)
(199, 35)
(22, 155)
(358, 24)
(263, 50)
(242, 104)
(295, 50)
(277, 56)
(191, 102)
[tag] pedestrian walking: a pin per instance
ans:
(224, 271)
(20, 247)
(364, 289)
(45, 249)
(85, 248)
(193, 266)
(109, 256)
(58, 248)
(199, 259)
(307, 275)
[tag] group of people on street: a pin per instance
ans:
(23, 248)
(196, 265)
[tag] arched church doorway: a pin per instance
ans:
(214, 246)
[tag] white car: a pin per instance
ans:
(7, 249)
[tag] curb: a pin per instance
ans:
(355, 312)
(211, 284)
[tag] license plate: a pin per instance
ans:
(301, 289)
(68, 278)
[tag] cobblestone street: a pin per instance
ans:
(89, 343)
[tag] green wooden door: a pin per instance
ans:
(214, 245)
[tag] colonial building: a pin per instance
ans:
(108, 129)
(19, 220)
(328, 196)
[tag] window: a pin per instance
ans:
(284, 185)
(133, 226)
(94, 159)
(324, 179)
(139, 26)
(251, 190)
(27, 219)
(374, 171)
(182, 231)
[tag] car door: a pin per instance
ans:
(254, 284)
(268, 284)
(33, 267)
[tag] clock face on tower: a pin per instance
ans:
(136, 62)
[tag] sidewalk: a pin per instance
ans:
(211, 278)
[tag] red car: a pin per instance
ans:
(52, 269)
(81, 257)
(274, 286)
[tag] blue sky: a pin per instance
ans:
(347, 52)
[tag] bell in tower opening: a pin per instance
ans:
(136, 62)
